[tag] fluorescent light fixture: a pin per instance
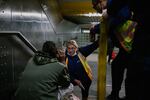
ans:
(85, 31)
(94, 23)
(91, 14)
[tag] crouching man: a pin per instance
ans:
(42, 75)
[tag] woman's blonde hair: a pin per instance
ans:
(72, 42)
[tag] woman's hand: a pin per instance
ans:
(77, 81)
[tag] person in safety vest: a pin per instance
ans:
(120, 63)
(138, 73)
(79, 70)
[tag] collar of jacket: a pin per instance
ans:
(41, 58)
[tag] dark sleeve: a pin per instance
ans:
(114, 6)
(64, 79)
(87, 50)
(72, 78)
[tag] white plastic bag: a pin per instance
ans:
(67, 93)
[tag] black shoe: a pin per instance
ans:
(112, 97)
(124, 98)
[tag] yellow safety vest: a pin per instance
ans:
(125, 34)
(85, 65)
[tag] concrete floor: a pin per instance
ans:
(92, 59)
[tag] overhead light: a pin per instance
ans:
(94, 23)
(91, 14)
(85, 30)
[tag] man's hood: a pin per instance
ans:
(42, 58)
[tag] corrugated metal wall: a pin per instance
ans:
(37, 21)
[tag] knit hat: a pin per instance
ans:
(72, 42)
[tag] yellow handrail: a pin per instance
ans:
(102, 62)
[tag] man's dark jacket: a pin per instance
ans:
(41, 78)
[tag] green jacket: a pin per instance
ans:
(41, 78)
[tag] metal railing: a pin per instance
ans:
(19, 34)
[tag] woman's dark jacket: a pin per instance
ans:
(75, 67)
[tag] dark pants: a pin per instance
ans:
(86, 84)
(138, 78)
(119, 65)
